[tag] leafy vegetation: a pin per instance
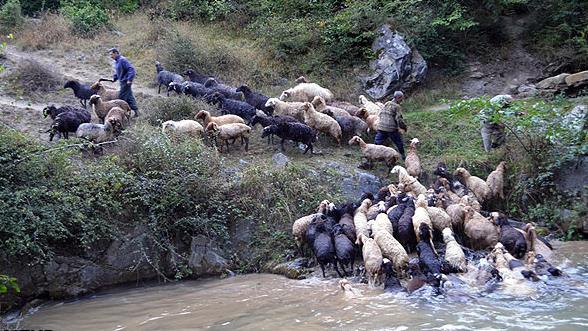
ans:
(10, 16)
(86, 17)
(543, 138)
(8, 283)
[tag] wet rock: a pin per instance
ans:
(573, 176)
(553, 83)
(352, 187)
(577, 79)
(205, 257)
(398, 67)
(280, 160)
(526, 90)
(294, 269)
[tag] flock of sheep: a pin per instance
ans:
(299, 114)
(445, 226)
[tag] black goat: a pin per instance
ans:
(406, 235)
(197, 90)
(81, 91)
(323, 246)
(226, 90)
(165, 77)
(513, 240)
(266, 121)
(428, 261)
(235, 107)
(255, 99)
(67, 122)
(297, 132)
(193, 76)
(344, 248)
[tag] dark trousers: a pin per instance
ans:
(126, 94)
(395, 136)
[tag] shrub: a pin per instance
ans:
(124, 6)
(86, 17)
(208, 9)
(52, 29)
(32, 76)
(10, 16)
(34, 7)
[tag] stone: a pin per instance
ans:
(280, 160)
(526, 90)
(205, 257)
(398, 67)
(553, 83)
(577, 79)
(293, 270)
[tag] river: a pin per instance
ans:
(271, 302)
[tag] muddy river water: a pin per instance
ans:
(271, 302)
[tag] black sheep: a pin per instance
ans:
(344, 248)
(226, 90)
(193, 76)
(456, 185)
(350, 125)
(323, 246)
(81, 91)
(396, 213)
(266, 121)
(68, 122)
(235, 107)
(428, 261)
(405, 234)
(196, 90)
(165, 77)
(176, 87)
(513, 240)
(297, 132)
(53, 111)
(543, 267)
(255, 99)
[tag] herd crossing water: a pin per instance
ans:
(272, 302)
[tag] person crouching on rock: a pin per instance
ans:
(493, 131)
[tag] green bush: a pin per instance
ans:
(34, 7)
(10, 16)
(159, 110)
(197, 9)
(86, 17)
(124, 6)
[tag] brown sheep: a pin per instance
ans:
(481, 231)
(352, 109)
(372, 259)
(101, 108)
(370, 119)
(475, 184)
(219, 120)
(495, 181)
(439, 218)
(360, 220)
(230, 131)
(454, 255)
(118, 118)
(106, 94)
(320, 105)
(412, 161)
(300, 226)
(373, 152)
(408, 183)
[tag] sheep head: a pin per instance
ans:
(307, 107)
(448, 235)
(363, 100)
(212, 127)
(461, 172)
(271, 102)
(94, 99)
(286, 94)
(363, 113)
(48, 110)
(243, 89)
(269, 130)
(319, 103)
(301, 79)
(421, 201)
(96, 86)
(424, 232)
(167, 125)
(210, 82)
(202, 114)
(397, 170)
(414, 142)
(355, 140)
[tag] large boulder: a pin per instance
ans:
(577, 79)
(553, 83)
(206, 257)
(398, 67)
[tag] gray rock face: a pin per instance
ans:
(294, 269)
(205, 257)
(398, 67)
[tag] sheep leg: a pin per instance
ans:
(159, 88)
(66, 135)
(323, 269)
(82, 102)
(227, 142)
(282, 145)
(337, 269)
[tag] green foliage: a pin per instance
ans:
(10, 16)
(34, 7)
(7, 283)
(211, 10)
(86, 17)
(124, 6)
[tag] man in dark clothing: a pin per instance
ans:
(391, 122)
(124, 73)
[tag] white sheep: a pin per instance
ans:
(360, 220)
(321, 122)
(408, 183)
(440, 218)
(382, 223)
(421, 215)
(305, 92)
(300, 226)
(183, 127)
(372, 108)
(284, 108)
(480, 230)
(454, 255)
(392, 249)
(495, 181)
(96, 133)
(220, 120)
(412, 161)
(372, 259)
(320, 105)
(373, 152)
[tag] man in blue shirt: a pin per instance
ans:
(124, 73)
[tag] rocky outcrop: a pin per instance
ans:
(566, 83)
(398, 67)
(206, 257)
(577, 79)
